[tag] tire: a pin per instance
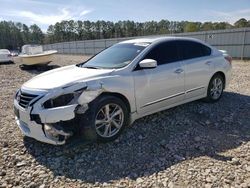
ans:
(215, 88)
(105, 129)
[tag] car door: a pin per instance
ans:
(197, 65)
(159, 87)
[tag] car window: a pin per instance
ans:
(191, 49)
(116, 56)
(164, 53)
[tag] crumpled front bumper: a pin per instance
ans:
(38, 131)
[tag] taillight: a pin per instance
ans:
(229, 59)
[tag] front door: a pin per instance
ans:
(157, 88)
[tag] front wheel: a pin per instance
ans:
(215, 88)
(108, 116)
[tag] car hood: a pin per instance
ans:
(62, 76)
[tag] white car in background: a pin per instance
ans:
(5, 55)
(132, 79)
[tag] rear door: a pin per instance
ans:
(197, 65)
(162, 86)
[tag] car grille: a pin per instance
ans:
(25, 99)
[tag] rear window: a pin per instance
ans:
(191, 49)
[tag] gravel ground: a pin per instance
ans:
(193, 145)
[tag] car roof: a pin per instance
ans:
(159, 39)
(4, 51)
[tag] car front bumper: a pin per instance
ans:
(38, 131)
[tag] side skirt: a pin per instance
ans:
(134, 116)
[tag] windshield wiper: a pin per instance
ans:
(90, 67)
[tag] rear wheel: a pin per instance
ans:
(215, 88)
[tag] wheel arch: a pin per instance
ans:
(223, 76)
(118, 95)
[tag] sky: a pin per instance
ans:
(47, 12)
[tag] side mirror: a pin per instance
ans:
(148, 64)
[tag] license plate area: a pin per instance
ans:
(22, 115)
(25, 128)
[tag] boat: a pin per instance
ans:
(34, 55)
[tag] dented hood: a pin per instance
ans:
(62, 76)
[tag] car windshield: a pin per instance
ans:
(117, 56)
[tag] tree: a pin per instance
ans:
(242, 23)
(191, 27)
(11, 35)
(163, 26)
(25, 34)
(222, 25)
(207, 26)
(36, 34)
(88, 26)
(49, 38)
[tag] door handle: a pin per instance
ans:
(208, 62)
(178, 71)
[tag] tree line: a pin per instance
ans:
(14, 35)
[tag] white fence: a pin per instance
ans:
(235, 41)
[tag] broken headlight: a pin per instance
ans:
(62, 100)
(59, 101)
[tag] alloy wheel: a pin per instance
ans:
(217, 88)
(109, 120)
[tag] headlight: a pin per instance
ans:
(59, 101)
(63, 100)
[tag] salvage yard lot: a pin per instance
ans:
(193, 145)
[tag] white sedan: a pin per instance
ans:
(5, 55)
(98, 98)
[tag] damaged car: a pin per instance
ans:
(96, 99)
